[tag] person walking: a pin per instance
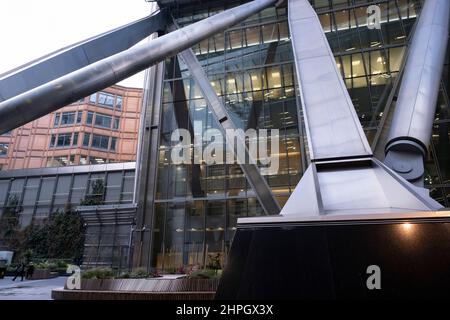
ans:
(20, 271)
(30, 271)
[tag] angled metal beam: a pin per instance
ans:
(343, 178)
(184, 119)
(250, 169)
(78, 55)
(412, 123)
(332, 126)
(69, 88)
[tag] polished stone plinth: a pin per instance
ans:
(329, 259)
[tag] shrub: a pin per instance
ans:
(205, 274)
(139, 273)
(54, 265)
(98, 273)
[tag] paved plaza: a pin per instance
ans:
(29, 289)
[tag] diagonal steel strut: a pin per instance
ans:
(250, 169)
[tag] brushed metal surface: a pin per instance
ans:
(332, 126)
(416, 104)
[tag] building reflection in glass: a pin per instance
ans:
(250, 66)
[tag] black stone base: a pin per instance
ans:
(329, 260)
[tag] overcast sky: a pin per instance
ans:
(32, 28)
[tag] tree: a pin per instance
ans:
(95, 198)
(61, 237)
(10, 226)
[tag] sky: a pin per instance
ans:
(30, 29)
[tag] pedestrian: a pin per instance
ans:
(19, 272)
(30, 271)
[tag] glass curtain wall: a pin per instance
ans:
(251, 68)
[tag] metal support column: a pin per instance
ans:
(146, 172)
(412, 123)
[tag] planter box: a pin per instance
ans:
(39, 274)
(141, 289)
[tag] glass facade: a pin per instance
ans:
(251, 68)
(38, 192)
(42, 191)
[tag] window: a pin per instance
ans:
(86, 139)
(95, 160)
(52, 140)
(93, 98)
(116, 123)
(119, 102)
(75, 139)
(79, 116)
(49, 162)
(64, 140)
(67, 118)
(100, 142)
(4, 149)
(106, 99)
(56, 120)
(61, 161)
(113, 144)
(103, 121)
(83, 160)
(90, 116)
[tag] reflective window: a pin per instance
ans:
(56, 120)
(79, 116)
(75, 139)
(86, 139)
(103, 120)
(113, 144)
(52, 140)
(90, 117)
(97, 160)
(100, 142)
(4, 149)
(119, 102)
(64, 140)
(61, 161)
(67, 118)
(116, 123)
(83, 159)
(106, 99)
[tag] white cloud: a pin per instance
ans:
(30, 29)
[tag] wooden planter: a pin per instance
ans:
(39, 274)
(141, 289)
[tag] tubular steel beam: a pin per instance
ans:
(250, 169)
(55, 94)
(412, 123)
(78, 55)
